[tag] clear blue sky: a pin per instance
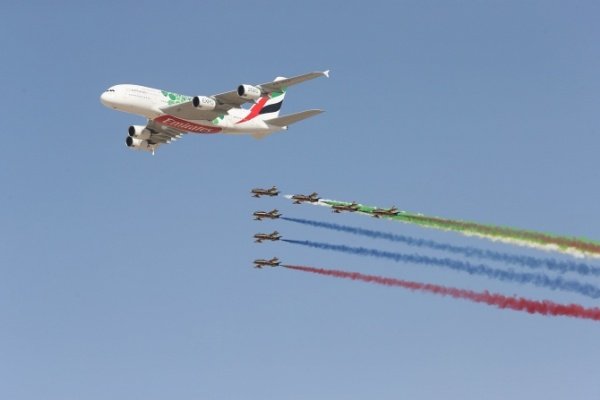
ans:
(127, 276)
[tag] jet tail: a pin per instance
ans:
(270, 104)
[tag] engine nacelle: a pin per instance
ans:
(204, 103)
(137, 143)
(139, 132)
(249, 92)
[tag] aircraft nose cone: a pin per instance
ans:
(104, 98)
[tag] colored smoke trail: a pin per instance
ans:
(544, 307)
(527, 261)
(503, 275)
(544, 241)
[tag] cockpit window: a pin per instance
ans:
(109, 90)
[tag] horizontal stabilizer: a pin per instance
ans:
(292, 118)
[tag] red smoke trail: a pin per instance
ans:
(544, 307)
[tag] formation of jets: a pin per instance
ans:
(308, 198)
(385, 212)
(298, 199)
(169, 115)
(260, 215)
(267, 236)
(271, 192)
(352, 207)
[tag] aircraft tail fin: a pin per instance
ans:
(270, 109)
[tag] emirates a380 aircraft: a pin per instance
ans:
(170, 114)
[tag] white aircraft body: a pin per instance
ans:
(170, 114)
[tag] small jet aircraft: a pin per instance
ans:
(273, 262)
(267, 236)
(352, 207)
(273, 214)
(309, 198)
(271, 192)
(170, 115)
(385, 212)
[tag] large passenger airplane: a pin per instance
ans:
(170, 114)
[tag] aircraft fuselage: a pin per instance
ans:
(148, 102)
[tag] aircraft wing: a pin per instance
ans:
(162, 134)
(234, 100)
(228, 100)
(281, 84)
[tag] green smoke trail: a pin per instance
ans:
(563, 244)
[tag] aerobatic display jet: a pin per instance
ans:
(273, 262)
(169, 115)
(352, 207)
(273, 214)
(267, 236)
(308, 198)
(385, 212)
(271, 192)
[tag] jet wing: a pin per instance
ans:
(280, 84)
(162, 134)
(234, 100)
(228, 100)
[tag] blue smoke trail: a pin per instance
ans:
(527, 261)
(510, 275)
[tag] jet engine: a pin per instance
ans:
(204, 103)
(249, 92)
(139, 132)
(136, 143)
